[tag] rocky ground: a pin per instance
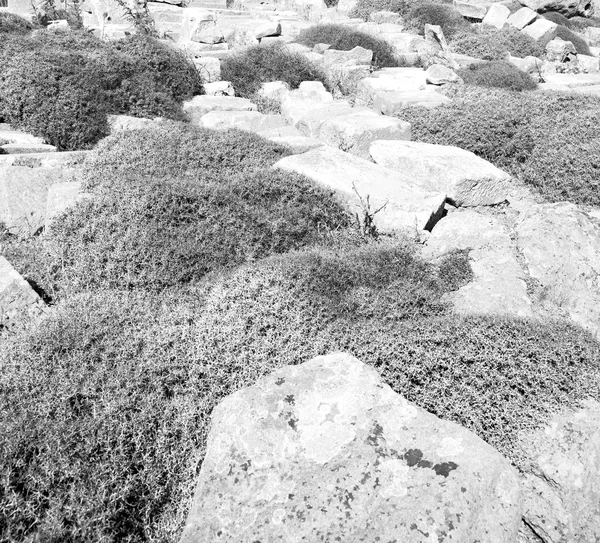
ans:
(328, 451)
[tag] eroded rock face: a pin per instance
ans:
(561, 246)
(326, 451)
(568, 8)
(562, 488)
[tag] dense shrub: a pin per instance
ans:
(364, 8)
(514, 131)
(557, 18)
(105, 407)
(435, 13)
(153, 233)
(579, 24)
(252, 67)
(497, 74)
(492, 44)
(344, 38)
(172, 149)
(72, 80)
(12, 24)
(580, 44)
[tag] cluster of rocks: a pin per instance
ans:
(326, 451)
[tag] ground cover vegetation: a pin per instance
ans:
(62, 86)
(343, 38)
(546, 139)
(497, 74)
(493, 44)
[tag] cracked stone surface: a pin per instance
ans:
(560, 244)
(326, 451)
(499, 286)
(562, 488)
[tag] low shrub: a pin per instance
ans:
(492, 44)
(579, 24)
(580, 44)
(105, 408)
(497, 74)
(152, 233)
(252, 67)
(344, 38)
(434, 13)
(515, 131)
(12, 24)
(174, 149)
(73, 80)
(364, 8)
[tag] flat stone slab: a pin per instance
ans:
(64, 160)
(466, 179)
(8, 135)
(251, 121)
(367, 88)
(310, 120)
(392, 103)
(18, 301)
(561, 247)
(298, 144)
(23, 197)
(199, 106)
(326, 451)
(573, 80)
(408, 208)
(26, 148)
(499, 287)
(355, 132)
(61, 197)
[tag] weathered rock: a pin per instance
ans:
(209, 67)
(572, 81)
(308, 117)
(26, 148)
(562, 486)
(568, 8)
(588, 64)
(18, 301)
(499, 286)
(398, 81)
(326, 451)
(391, 103)
(473, 9)
(560, 244)
(436, 50)
(521, 18)
(466, 179)
(408, 208)
(496, 16)
(8, 135)
(65, 160)
(542, 31)
(592, 33)
(219, 88)
(358, 55)
(355, 131)
(209, 34)
(559, 50)
(529, 64)
(297, 144)
(23, 195)
(274, 90)
(61, 196)
(438, 74)
(282, 131)
(272, 28)
(199, 106)
(252, 121)
(195, 20)
(121, 123)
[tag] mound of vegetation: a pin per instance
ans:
(61, 86)
(497, 74)
(579, 24)
(344, 38)
(11, 25)
(434, 13)
(252, 67)
(493, 44)
(105, 407)
(580, 44)
(520, 133)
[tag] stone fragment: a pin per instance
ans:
(542, 31)
(559, 50)
(18, 301)
(201, 105)
(496, 16)
(473, 9)
(437, 74)
(521, 18)
(252, 121)
(529, 64)
(392, 103)
(195, 20)
(23, 196)
(404, 79)
(568, 8)
(358, 55)
(499, 287)
(560, 244)
(218, 88)
(209, 34)
(561, 489)
(588, 64)
(592, 33)
(209, 68)
(407, 207)
(466, 179)
(274, 90)
(355, 132)
(61, 196)
(326, 447)
(310, 121)
(272, 28)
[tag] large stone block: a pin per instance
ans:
(326, 451)
(392, 103)
(201, 105)
(405, 207)
(252, 121)
(569, 8)
(521, 18)
(542, 31)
